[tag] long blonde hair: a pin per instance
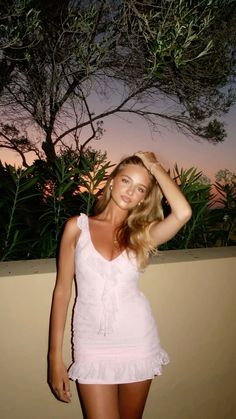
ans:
(133, 233)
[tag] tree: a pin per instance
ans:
(167, 61)
(15, 28)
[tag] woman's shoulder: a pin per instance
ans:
(76, 222)
(73, 227)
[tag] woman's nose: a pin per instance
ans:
(130, 190)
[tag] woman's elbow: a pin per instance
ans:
(185, 215)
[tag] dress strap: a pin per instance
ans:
(82, 221)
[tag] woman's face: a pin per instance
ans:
(130, 186)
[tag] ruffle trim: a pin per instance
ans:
(118, 372)
(82, 221)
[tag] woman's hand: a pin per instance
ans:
(148, 158)
(59, 381)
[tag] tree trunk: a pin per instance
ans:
(49, 150)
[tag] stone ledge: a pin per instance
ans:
(27, 267)
(190, 255)
(45, 266)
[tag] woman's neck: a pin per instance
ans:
(113, 214)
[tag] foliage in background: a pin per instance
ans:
(213, 221)
(225, 218)
(198, 193)
(35, 203)
(17, 26)
(18, 196)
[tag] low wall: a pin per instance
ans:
(192, 293)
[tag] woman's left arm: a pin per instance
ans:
(181, 211)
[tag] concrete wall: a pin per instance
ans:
(192, 293)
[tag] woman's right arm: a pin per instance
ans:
(58, 378)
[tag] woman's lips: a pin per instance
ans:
(126, 199)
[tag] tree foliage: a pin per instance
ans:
(170, 61)
(35, 202)
(226, 217)
(213, 221)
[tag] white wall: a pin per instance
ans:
(192, 293)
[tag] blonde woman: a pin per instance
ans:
(116, 347)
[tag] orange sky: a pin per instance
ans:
(127, 135)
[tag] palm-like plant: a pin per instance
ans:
(17, 198)
(198, 193)
(69, 186)
(225, 216)
(35, 203)
(94, 174)
(58, 180)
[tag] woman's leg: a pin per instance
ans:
(99, 401)
(132, 399)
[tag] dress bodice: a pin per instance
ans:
(100, 281)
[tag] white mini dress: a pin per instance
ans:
(115, 338)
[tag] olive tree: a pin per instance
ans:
(167, 61)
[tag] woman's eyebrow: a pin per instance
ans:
(140, 184)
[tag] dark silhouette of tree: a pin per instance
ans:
(170, 61)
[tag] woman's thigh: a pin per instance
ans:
(99, 401)
(132, 399)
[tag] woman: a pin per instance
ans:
(115, 341)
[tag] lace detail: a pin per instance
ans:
(109, 303)
(106, 270)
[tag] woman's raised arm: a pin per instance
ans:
(181, 211)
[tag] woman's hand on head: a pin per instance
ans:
(148, 158)
(59, 381)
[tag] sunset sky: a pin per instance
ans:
(128, 134)
(123, 138)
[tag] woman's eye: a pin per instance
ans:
(124, 180)
(141, 190)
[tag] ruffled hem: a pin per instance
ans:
(118, 372)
